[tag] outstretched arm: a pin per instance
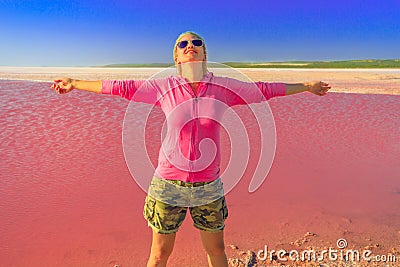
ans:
(66, 85)
(317, 88)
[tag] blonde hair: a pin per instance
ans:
(205, 70)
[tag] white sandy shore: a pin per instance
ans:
(367, 81)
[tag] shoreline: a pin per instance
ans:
(360, 81)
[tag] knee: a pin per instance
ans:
(215, 249)
(160, 254)
(158, 258)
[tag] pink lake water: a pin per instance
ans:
(68, 199)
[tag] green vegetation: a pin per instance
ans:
(343, 64)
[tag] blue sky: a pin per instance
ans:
(97, 32)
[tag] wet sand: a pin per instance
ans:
(365, 81)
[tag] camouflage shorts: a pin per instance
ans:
(165, 213)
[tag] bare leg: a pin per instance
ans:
(213, 243)
(161, 248)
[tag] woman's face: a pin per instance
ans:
(190, 53)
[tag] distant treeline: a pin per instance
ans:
(372, 63)
(342, 64)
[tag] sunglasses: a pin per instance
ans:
(183, 44)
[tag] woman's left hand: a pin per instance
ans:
(318, 88)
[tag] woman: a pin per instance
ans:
(193, 102)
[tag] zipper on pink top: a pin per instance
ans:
(194, 129)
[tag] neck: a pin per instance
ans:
(193, 71)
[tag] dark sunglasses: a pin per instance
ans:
(183, 44)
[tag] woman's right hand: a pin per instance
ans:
(63, 85)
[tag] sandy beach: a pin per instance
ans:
(334, 176)
(365, 81)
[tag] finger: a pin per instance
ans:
(60, 85)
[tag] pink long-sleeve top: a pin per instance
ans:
(190, 151)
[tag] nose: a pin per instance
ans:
(190, 44)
